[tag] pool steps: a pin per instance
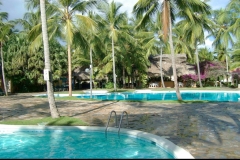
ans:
(120, 122)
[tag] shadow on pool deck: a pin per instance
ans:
(206, 130)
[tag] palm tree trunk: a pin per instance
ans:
(51, 100)
(91, 72)
(69, 71)
(227, 68)
(124, 81)
(114, 75)
(160, 63)
(133, 75)
(3, 73)
(173, 56)
(198, 68)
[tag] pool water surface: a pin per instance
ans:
(76, 144)
(186, 95)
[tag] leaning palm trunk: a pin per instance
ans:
(160, 63)
(198, 68)
(3, 73)
(51, 100)
(173, 55)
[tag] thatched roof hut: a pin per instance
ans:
(181, 66)
(80, 74)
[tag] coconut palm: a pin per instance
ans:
(233, 9)
(112, 19)
(67, 17)
(194, 28)
(149, 8)
(5, 29)
(53, 108)
(223, 34)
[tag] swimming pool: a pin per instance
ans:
(219, 96)
(148, 95)
(84, 142)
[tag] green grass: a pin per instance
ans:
(48, 121)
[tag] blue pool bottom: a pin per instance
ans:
(56, 141)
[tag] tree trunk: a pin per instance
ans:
(173, 57)
(91, 72)
(124, 81)
(160, 63)
(114, 74)
(132, 79)
(3, 73)
(69, 71)
(53, 109)
(227, 68)
(198, 68)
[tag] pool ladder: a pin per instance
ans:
(120, 122)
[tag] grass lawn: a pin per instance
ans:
(153, 89)
(48, 121)
(69, 121)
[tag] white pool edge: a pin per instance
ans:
(176, 151)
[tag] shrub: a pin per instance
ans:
(109, 85)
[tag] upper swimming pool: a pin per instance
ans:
(220, 96)
(148, 95)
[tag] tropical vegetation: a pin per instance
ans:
(118, 46)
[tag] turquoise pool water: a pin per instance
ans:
(207, 96)
(76, 144)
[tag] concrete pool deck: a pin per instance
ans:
(205, 130)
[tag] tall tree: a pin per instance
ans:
(51, 100)
(67, 17)
(112, 20)
(169, 8)
(194, 32)
(5, 29)
(223, 34)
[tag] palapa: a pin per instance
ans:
(181, 66)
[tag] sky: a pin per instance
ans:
(16, 9)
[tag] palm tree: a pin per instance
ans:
(194, 32)
(5, 29)
(149, 8)
(51, 100)
(112, 19)
(233, 9)
(67, 17)
(223, 34)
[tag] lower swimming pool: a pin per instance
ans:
(83, 142)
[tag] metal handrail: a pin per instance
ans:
(121, 120)
(110, 118)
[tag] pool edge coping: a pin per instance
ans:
(176, 151)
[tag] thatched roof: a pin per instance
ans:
(181, 66)
(80, 74)
(180, 58)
